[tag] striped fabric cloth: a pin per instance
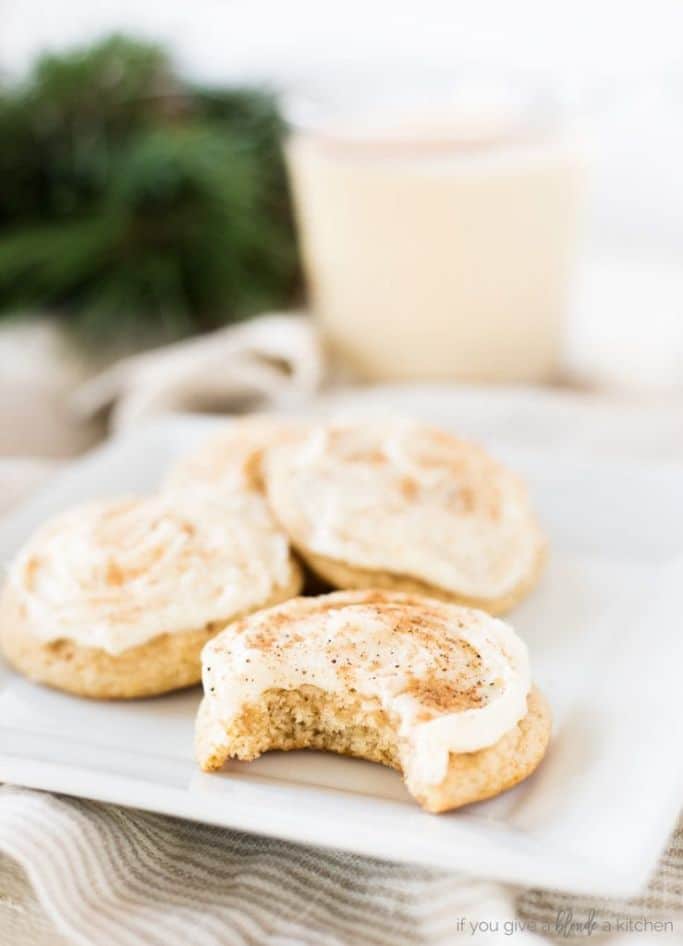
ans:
(111, 876)
(106, 876)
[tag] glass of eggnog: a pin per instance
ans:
(437, 229)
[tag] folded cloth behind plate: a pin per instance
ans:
(272, 361)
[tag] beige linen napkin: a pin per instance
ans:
(274, 361)
(120, 877)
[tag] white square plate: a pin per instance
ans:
(606, 643)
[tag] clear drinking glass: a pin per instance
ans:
(437, 219)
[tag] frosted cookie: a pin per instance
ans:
(406, 507)
(229, 459)
(116, 598)
(440, 692)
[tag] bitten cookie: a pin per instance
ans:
(440, 692)
(406, 507)
(116, 598)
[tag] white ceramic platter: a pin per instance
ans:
(604, 629)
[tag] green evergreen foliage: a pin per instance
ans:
(136, 207)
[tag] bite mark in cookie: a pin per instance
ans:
(440, 692)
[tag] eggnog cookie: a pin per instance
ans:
(116, 598)
(440, 692)
(406, 507)
(229, 459)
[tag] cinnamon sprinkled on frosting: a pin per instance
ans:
(116, 573)
(405, 499)
(456, 678)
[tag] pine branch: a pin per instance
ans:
(134, 205)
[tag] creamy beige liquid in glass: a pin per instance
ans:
(438, 256)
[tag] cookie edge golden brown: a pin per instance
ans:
(340, 575)
(476, 776)
(167, 662)
(471, 777)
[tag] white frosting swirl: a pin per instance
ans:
(456, 679)
(409, 500)
(116, 573)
